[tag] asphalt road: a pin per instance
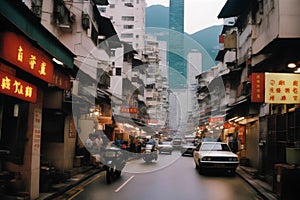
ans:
(171, 177)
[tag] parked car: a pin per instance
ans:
(215, 155)
(188, 148)
(165, 147)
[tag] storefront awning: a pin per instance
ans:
(220, 55)
(233, 8)
(128, 48)
(134, 122)
(101, 2)
(106, 28)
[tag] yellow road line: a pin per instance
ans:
(92, 180)
(80, 189)
(76, 194)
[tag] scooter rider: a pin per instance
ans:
(153, 143)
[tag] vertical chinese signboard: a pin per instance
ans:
(37, 124)
(257, 87)
(282, 88)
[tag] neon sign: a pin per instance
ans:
(18, 51)
(15, 87)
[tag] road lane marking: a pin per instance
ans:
(76, 194)
(123, 185)
(93, 179)
(79, 189)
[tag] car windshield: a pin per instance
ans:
(214, 147)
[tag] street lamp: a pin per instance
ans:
(293, 65)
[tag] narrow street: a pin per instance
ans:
(171, 177)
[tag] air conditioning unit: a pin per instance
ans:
(65, 27)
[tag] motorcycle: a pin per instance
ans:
(115, 161)
(149, 153)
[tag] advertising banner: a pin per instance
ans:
(282, 88)
(257, 87)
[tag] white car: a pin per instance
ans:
(165, 147)
(188, 149)
(215, 155)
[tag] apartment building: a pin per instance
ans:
(262, 47)
(128, 18)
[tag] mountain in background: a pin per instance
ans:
(157, 16)
(208, 38)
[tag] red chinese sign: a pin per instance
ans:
(227, 125)
(282, 88)
(129, 110)
(18, 51)
(61, 80)
(258, 87)
(221, 39)
(12, 86)
(151, 121)
(216, 119)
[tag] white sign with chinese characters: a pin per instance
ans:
(37, 124)
(282, 88)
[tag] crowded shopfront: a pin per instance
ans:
(29, 80)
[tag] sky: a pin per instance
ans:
(199, 14)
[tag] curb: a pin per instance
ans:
(267, 195)
(59, 192)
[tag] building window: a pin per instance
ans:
(127, 35)
(137, 36)
(112, 5)
(137, 1)
(118, 71)
(128, 18)
(149, 99)
(128, 26)
(128, 5)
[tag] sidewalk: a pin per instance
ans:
(81, 175)
(263, 188)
